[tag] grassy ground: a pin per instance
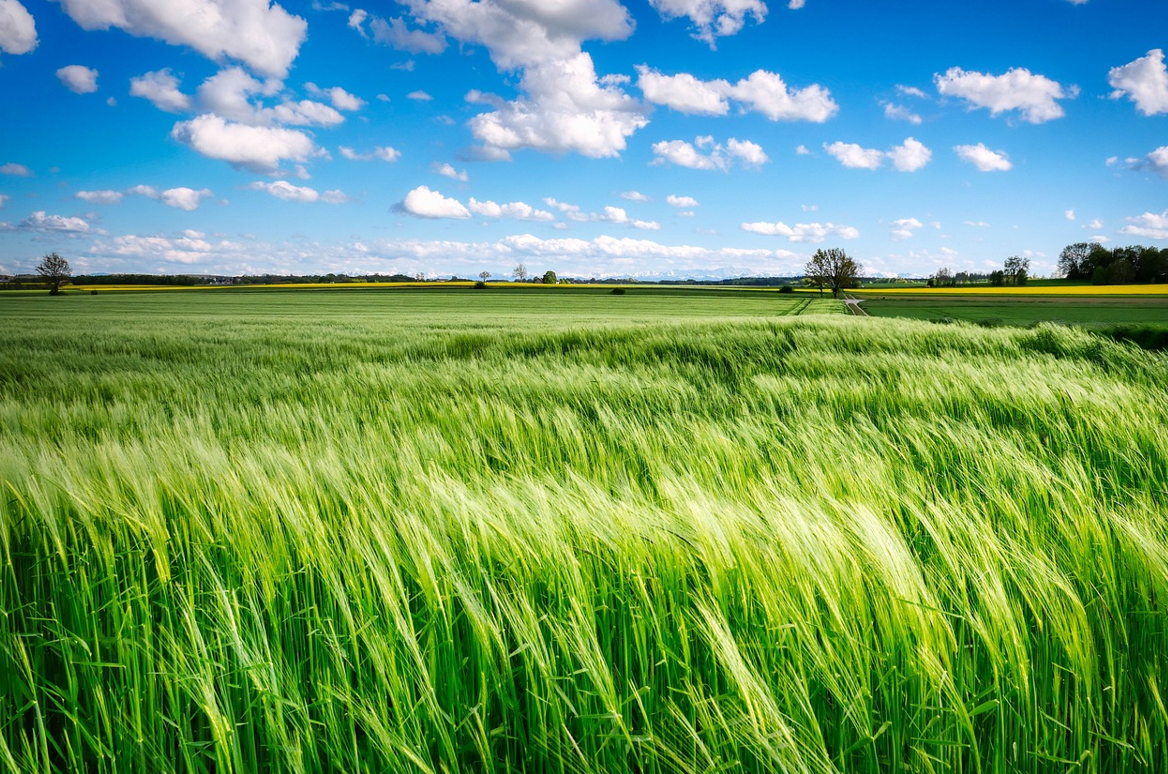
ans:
(474, 532)
(1022, 310)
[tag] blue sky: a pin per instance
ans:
(591, 137)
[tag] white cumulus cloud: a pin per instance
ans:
(983, 158)
(257, 148)
(634, 196)
(256, 32)
(516, 210)
(1149, 225)
(910, 156)
(1156, 161)
(854, 156)
(397, 33)
(17, 28)
(99, 197)
(183, 198)
(384, 153)
(341, 99)
(802, 232)
(1144, 81)
(15, 170)
(904, 228)
(282, 189)
(1034, 96)
(39, 221)
(448, 170)
(763, 92)
(78, 79)
(425, 203)
(704, 153)
(712, 19)
(681, 201)
(161, 87)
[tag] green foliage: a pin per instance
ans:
(1118, 266)
(330, 532)
(549, 277)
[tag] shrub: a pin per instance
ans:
(618, 291)
(786, 289)
(480, 285)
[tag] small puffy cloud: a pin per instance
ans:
(681, 201)
(15, 170)
(1156, 161)
(795, 5)
(257, 148)
(183, 198)
(634, 196)
(341, 99)
(516, 210)
(447, 170)
(304, 113)
(258, 33)
(1034, 96)
(801, 150)
(910, 155)
(684, 93)
(161, 88)
(749, 153)
(900, 113)
(424, 203)
(704, 153)
(419, 95)
(713, 19)
(983, 158)
(282, 189)
(1144, 81)
(357, 19)
(854, 156)
(385, 153)
(763, 92)
(1069, 214)
(570, 211)
(766, 93)
(904, 228)
(78, 79)
(1149, 226)
(149, 191)
(1095, 224)
(17, 28)
(618, 215)
(911, 91)
(39, 221)
(398, 34)
(802, 232)
(99, 197)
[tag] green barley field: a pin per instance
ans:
(481, 531)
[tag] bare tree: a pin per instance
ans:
(484, 275)
(520, 273)
(833, 268)
(55, 271)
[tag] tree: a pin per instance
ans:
(1073, 261)
(549, 277)
(484, 275)
(520, 273)
(833, 268)
(943, 277)
(55, 271)
(1017, 269)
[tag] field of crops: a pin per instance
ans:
(473, 531)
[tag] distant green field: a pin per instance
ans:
(1023, 310)
(658, 533)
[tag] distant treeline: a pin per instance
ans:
(141, 279)
(1117, 266)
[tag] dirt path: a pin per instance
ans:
(854, 306)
